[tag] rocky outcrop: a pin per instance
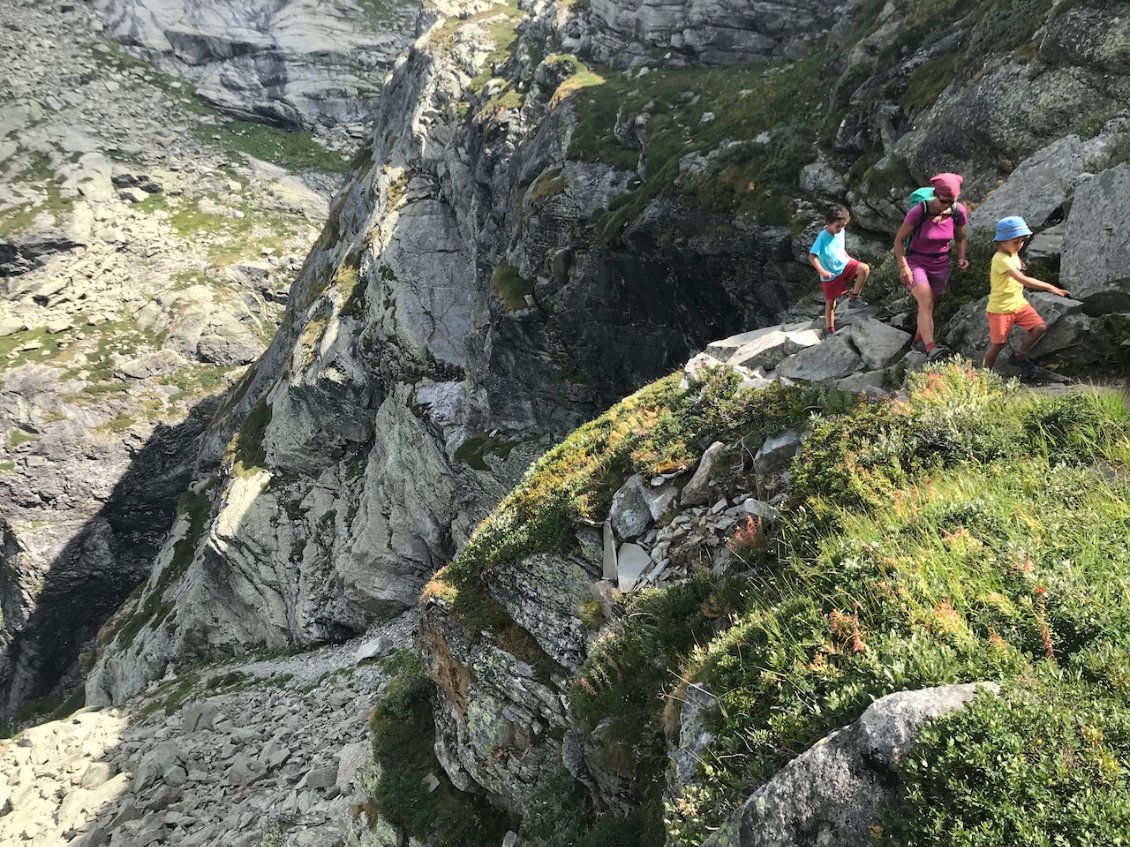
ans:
(704, 32)
(1094, 258)
(994, 109)
(834, 792)
(297, 62)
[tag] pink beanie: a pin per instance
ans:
(948, 185)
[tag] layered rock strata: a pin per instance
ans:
(297, 62)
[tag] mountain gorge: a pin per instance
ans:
(631, 630)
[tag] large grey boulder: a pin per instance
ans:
(968, 330)
(636, 505)
(1096, 258)
(763, 348)
(834, 792)
(878, 343)
(1047, 243)
(767, 351)
(833, 358)
(543, 594)
(1040, 185)
(776, 452)
(697, 491)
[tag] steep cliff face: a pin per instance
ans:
(294, 62)
(458, 313)
(144, 263)
(527, 236)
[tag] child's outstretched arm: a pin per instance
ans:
(1032, 282)
(814, 260)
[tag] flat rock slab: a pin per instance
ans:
(879, 344)
(632, 562)
(769, 349)
(727, 347)
(833, 358)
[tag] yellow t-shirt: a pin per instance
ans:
(1006, 295)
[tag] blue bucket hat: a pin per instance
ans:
(1011, 227)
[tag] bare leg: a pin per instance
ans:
(1031, 337)
(925, 299)
(829, 315)
(991, 355)
(861, 274)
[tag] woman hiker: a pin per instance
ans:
(924, 263)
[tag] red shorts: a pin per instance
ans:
(836, 286)
(1000, 323)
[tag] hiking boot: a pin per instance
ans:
(1026, 365)
(938, 354)
(855, 303)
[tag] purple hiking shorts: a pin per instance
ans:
(934, 272)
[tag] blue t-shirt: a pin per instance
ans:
(831, 250)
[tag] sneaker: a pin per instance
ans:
(938, 353)
(1026, 365)
(843, 330)
(918, 345)
(854, 303)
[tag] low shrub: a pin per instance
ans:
(403, 736)
(971, 532)
(1041, 764)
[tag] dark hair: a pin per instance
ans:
(836, 213)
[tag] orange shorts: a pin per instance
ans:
(1000, 323)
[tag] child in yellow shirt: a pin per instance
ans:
(1007, 306)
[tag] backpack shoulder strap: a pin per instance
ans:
(923, 212)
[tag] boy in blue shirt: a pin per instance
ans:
(830, 258)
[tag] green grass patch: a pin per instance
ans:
(231, 238)
(403, 735)
(477, 447)
(630, 678)
(246, 450)
(119, 423)
(549, 184)
(784, 103)
(962, 535)
(295, 150)
(43, 346)
(195, 381)
(1045, 763)
(37, 173)
(557, 814)
(172, 695)
(511, 287)
(19, 436)
(661, 428)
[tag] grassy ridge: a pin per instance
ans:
(972, 531)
